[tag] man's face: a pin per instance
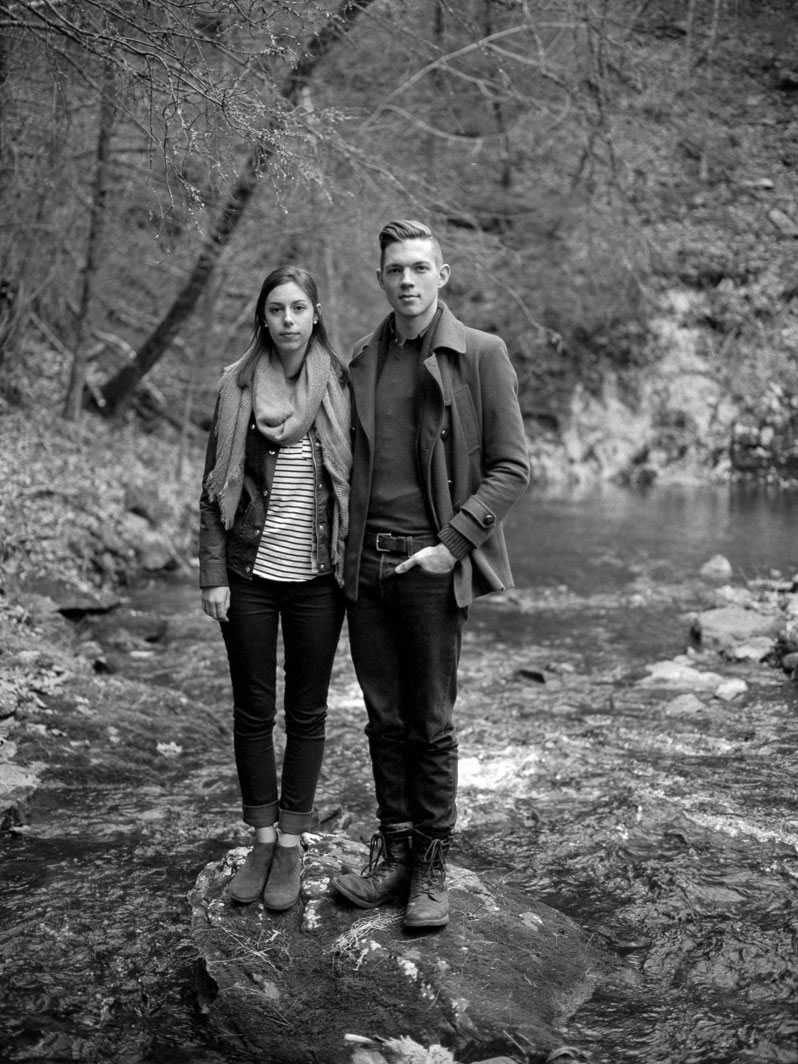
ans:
(410, 276)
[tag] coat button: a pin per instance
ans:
(489, 519)
(444, 433)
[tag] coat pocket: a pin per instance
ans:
(466, 422)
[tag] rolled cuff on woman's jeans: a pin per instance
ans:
(291, 823)
(261, 816)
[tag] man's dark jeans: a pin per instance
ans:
(405, 634)
(311, 614)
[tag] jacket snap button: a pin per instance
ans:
(444, 433)
(489, 519)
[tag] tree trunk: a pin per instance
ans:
(117, 390)
(197, 361)
(505, 160)
(73, 402)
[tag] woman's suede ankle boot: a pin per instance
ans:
(248, 882)
(282, 886)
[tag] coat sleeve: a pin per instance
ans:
(495, 473)
(212, 534)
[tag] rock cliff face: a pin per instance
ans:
(502, 978)
(675, 417)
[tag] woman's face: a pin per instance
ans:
(290, 317)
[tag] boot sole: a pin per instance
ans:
(280, 908)
(244, 901)
(423, 925)
(392, 900)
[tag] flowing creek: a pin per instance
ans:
(664, 823)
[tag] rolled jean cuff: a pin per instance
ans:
(291, 823)
(261, 816)
(396, 829)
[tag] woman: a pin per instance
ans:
(273, 524)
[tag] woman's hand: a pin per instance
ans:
(215, 602)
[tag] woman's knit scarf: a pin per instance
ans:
(284, 412)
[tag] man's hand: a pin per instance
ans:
(215, 602)
(437, 559)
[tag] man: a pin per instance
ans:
(439, 458)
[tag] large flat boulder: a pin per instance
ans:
(502, 978)
(729, 625)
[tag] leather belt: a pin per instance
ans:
(385, 541)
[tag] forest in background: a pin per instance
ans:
(613, 181)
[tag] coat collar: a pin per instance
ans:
(450, 334)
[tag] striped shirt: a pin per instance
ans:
(285, 551)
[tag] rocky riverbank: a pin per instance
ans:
(594, 792)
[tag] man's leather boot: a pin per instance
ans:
(428, 903)
(387, 875)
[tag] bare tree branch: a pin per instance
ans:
(118, 389)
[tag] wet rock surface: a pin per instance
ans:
(503, 977)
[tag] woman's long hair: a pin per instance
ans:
(262, 343)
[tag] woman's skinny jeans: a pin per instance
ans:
(311, 614)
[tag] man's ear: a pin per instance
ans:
(444, 273)
(379, 278)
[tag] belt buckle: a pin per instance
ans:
(378, 546)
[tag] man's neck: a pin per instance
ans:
(410, 328)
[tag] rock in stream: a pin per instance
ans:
(502, 978)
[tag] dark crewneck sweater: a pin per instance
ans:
(397, 501)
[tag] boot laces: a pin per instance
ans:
(378, 853)
(431, 868)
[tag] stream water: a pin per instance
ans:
(664, 826)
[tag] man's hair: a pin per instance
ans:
(407, 229)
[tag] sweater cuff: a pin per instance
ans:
(455, 541)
